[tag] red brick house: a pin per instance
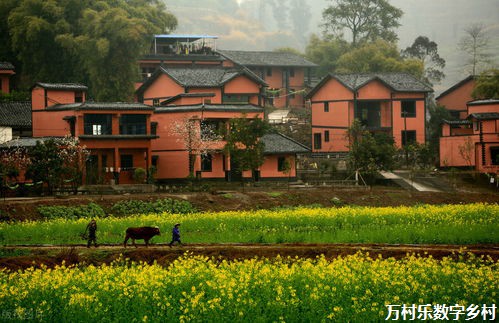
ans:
(455, 98)
(394, 103)
(118, 135)
(474, 141)
(288, 75)
(6, 72)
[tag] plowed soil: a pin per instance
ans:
(26, 256)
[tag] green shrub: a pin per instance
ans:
(91, 210)
(159, 206)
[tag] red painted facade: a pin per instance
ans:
(456, 97)
(6, 72)
(379, 107)
(473, 142)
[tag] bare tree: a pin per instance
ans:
(475, 44)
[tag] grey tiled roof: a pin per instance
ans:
(24, 142)
(15, 114)
(196, 76)
(484, 102)
(457, 122)
(277, 143)
(6, 66)
(399, 82)
(485, 116)
(101, 106)
(210, 108)
(260, 58)
(63, 86)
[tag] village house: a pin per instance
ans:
(118, 134)
(394, 103)
(287, 75)
(473, 142)
(6, 72)
(193, 102)
(457, 96)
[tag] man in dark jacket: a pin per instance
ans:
(175, 235)
(91, 228)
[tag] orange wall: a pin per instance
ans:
(449, 151)
(50, 123)
(457, 99)
(214, 99)
(269, 168)
(417, 123)
(483, 108)
(162, 87)
(373, 90)
(5, 83)
(241, 84)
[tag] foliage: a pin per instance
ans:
(195, 288)
(56, 161)
(366, 20)
(426, 51)
(15, 96)
(475, 43)
(419, 155)
(167, 205)
(139, 175)
(91, 210)
(379, 56)
(325, 52)
(434, 127)
(243, 142)
(369, 153)
(487, 85)
(436, 224)
(92, 42)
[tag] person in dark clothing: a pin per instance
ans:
(91, 228)
(175, 235)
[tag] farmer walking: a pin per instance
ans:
(91, 228)
(175, 235)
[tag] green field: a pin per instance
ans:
(444, 224)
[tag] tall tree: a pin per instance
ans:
(366, 20)
(93, 42)
(243, 142)
(325, 52)
(426, 51)
(434, 128)
(487, 85)
(475, 44)
(379, 56)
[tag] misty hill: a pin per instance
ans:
(270, 24)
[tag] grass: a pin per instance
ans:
(446, 224)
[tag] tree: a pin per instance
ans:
(487, 85)
(92, 42)
(379, 56)
(367, 20)
(197, 137)
(434, 128)
(475, 44)
(243, 142)
(325, 52)
(369, 153)
(426, 51)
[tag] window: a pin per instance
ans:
(78, 96)
(281, 164)
(212, 129)
(317, 141)
(494, 155)
(326, 136)
(235, 98)
(133, 124)
(369, 113)
(408, 109)
(206, 162)
(408, 137)
(155, 102)
(291, 72)
(97, 124)
(154, 128)
(269, 71)
(326, 106)
(126, 162)
(154, 160)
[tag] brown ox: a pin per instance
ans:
(145, 233)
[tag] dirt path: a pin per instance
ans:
(19, 257)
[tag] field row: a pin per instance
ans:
(354, 288)
(444, 224)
